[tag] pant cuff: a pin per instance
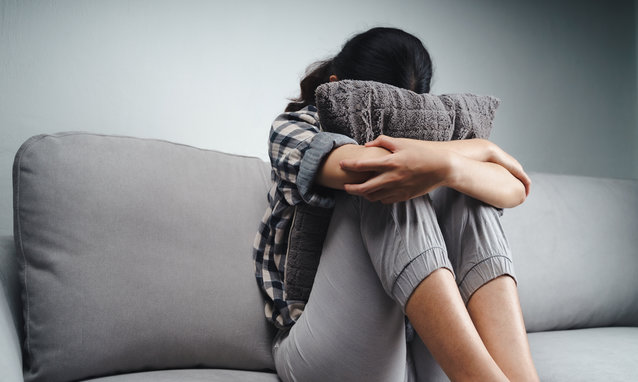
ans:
(416, 271)
(484, 272)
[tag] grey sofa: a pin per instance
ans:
(131, 261)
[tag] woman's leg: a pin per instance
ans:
(438, 314)
(407, 250)
(496, 312)
(482, 259)
(351, 330)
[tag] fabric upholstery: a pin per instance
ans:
(9, 279)
(10, 349)
(575, 249)
(192, 375)
(10, 321)
(136, 256)
(586, 355)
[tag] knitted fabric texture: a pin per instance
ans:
(363, 110)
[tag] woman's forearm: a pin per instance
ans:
(485, 151)
(486, 181)
(397, 169)
(331, 174)
(478, 149)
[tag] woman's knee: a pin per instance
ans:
(477, 244)
(404, 243)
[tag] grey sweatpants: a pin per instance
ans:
(374, 256)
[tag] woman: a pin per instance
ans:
(416, 234)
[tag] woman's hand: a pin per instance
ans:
(475, 167)
(331, 175)
(500, 157)
(413, 168)
(480, 150)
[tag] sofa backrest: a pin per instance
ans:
(136, 254)
(575, 248)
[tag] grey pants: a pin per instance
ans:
(374, 256)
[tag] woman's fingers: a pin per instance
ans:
(517, 170)
(526, 180)
(384, 141)
(373, 184)
(366, 165)
(514, 167)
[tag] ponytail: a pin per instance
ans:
(316, 74)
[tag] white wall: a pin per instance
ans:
(215, 74)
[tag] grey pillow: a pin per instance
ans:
(136, 255)
(363, 110)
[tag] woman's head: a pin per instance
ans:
(385, 55)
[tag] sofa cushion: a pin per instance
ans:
(586, 355)
(575, 249)
(136, 255)
(10, 313)
(192, 375)
(597, 354)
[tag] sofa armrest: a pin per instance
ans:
(10, 314)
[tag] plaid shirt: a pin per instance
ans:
(297, 146)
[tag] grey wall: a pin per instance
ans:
(215, 74)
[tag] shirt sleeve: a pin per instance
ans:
(296, 149)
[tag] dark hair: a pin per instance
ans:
(387, 55)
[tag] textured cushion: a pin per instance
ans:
(575, 248)
(10, 322)
(364, 110)
(586, 355)
(599, 354)
(136, 255)
(192, 376)
(9, 279)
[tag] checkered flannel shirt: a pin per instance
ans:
(297, 146)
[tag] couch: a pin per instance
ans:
(131, 261)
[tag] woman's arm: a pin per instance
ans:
(331, 174)
(416, 167)
(481, 150)
(488, 182)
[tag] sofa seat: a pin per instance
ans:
(596, 354)
(192, 375)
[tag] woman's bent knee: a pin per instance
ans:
(404, 243)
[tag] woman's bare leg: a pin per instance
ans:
(482, 261)
(437, 312)
(408, 252)
(496, 312)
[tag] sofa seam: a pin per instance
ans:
(20, 247)
(121, 136)
(266, 179)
